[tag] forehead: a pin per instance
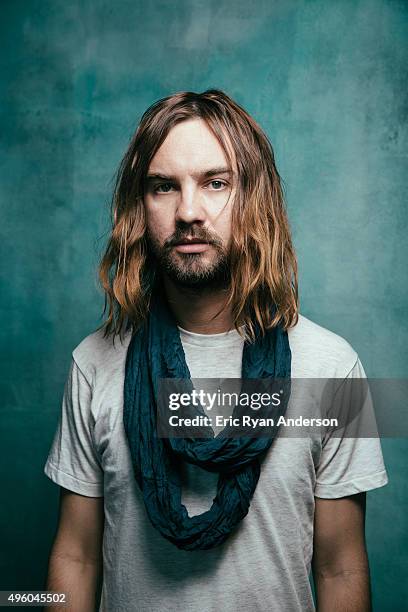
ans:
(188, 147)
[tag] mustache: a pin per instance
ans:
(197, 234)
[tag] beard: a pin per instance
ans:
(191, 270)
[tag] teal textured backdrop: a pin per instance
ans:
(326, 80)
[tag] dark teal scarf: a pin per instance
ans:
(155, 351)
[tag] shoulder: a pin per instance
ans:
(319, 352)
(96, 354)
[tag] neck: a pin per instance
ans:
(199, 311)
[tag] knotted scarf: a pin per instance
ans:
(155, 352)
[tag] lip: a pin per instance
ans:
(192, 246)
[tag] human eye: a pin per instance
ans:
(163, 188)
(217, 184)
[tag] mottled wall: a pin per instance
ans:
(325, 79)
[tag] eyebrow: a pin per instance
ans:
(197, 175)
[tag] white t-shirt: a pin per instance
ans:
(264, 565)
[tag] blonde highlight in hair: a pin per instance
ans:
(262, 259)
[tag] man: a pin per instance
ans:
(200, 257)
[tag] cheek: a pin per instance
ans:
(222, 223)
(158, 222)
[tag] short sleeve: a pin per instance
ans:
(350, 465)
(72, 461)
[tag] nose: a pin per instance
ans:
(190, 207)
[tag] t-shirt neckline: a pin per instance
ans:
(228, 338)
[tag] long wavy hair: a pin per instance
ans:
(262, 259)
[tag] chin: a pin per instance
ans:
(198, 275)
(193, 262)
